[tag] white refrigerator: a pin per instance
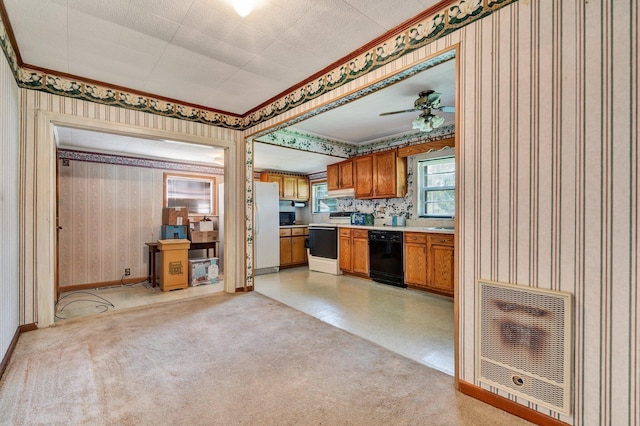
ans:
(266, 228)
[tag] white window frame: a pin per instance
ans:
(194, 178)
(418, 200)
(313, 198)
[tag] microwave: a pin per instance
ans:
(287, 218)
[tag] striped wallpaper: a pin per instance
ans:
(548, 177)
(548, 180)
(9, 184)
(35, 166)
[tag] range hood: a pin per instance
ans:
(342, 193)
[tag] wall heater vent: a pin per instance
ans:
(525, 343)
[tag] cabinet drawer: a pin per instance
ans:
(444, 239)
(299, 231)
(360, 233)
(345, 232)
(285, 232)
(415, 237)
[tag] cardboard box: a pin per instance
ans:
(174, 264)
(202, 226)
(176, 216)
(170, 232)
(203, 236)
(203, 271)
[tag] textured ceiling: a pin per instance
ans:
(200, 51)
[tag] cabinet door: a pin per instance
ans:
(298, 251)
(277, 179)
(363, 169)
(333, 177)
(415, 264)
(360, 256)
(346, 174)
(289, 187)
(384, 174)
(285, 251)
(302, 187)
(345, 253)
(441, 267)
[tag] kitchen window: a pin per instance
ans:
(320, 202)
(196, 192)
(436, 187)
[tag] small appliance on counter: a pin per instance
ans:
(287, 218)
(396, 221)
(362, 219)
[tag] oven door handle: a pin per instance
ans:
(313, 228)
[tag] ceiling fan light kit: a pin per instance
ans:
(427, 122)
(427, 101)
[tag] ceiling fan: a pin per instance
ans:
(427, 101)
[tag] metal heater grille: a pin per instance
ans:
(525, 343)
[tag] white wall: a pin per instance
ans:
(9, 202)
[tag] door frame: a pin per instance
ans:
(44, 239)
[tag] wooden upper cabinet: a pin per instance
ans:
(290, 184)
(290, 187)
(363, 170)
(346, 174)
(302, 187)
(333, 177)
(277, 179)
(378, 175)
(390, 175)
(385, 177)
(340, 175)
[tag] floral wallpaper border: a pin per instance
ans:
(419, 34)
(94, 157)
(311, 143)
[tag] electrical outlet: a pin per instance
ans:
(127, 271)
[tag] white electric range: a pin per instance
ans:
(324, 248)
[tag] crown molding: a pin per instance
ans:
(433, 24)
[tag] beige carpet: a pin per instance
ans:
(226, 360)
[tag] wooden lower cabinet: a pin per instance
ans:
(428, 261)
(440, 263)
(354, 251)
(292, 248)
(415, 259)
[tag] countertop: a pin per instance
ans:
(431, 230)
(293, 226)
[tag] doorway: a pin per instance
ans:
(44, 226)
(335, 115)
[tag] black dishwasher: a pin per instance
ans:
(385, 257)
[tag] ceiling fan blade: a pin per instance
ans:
(447, 109)
(399, 112)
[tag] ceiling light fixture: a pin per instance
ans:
(243, 7)
(426, 122)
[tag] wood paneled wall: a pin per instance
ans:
(107, 212)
